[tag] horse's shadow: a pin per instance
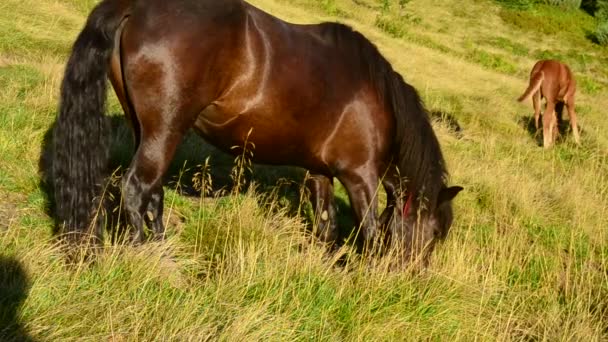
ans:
(285, 182)
(563, 126)
(14, 286)
(449, 121)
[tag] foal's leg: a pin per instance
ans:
(322, 196)
(362, 186)
(536, 101)
(549, 124)
(572, 115)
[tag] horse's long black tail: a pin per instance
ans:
(80, 135)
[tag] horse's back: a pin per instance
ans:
(223, 47)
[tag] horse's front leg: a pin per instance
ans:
(362, 186)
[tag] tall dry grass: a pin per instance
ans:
(525, 260)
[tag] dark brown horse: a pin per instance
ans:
(319, 97)
(554, 81)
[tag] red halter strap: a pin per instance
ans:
(407, 205)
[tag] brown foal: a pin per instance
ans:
(553, 81)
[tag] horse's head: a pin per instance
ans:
(421, 227)
(440, 220)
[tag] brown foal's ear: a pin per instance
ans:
(448, 194)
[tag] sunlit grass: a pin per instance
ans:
(527, 258)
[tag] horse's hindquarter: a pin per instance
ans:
(172, 56)
(558, 84)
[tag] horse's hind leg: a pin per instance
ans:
(164, 116)
(573, 121)
(154, 212)
(142, 185)
(549, 124)
(322, 197)
(155, 204)
(536, 101)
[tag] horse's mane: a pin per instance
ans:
(418, 154)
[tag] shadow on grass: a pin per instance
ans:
(14, 286)
(527, 123)
(282, 181)
(449, 120)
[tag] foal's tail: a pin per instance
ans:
(80, 134)
(535, 82)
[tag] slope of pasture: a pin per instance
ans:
(526, 258)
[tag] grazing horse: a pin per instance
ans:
(553, 81)
(320, 97)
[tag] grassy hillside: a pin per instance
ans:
(527, 258)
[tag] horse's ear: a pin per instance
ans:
(448, 194)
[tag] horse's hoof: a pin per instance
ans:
(137, 239)
(158, 237)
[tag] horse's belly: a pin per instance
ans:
(270, 141)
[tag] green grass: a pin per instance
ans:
(513, 48)
(548, 19)
(527, 258)
(491, 61)
(601, 33)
